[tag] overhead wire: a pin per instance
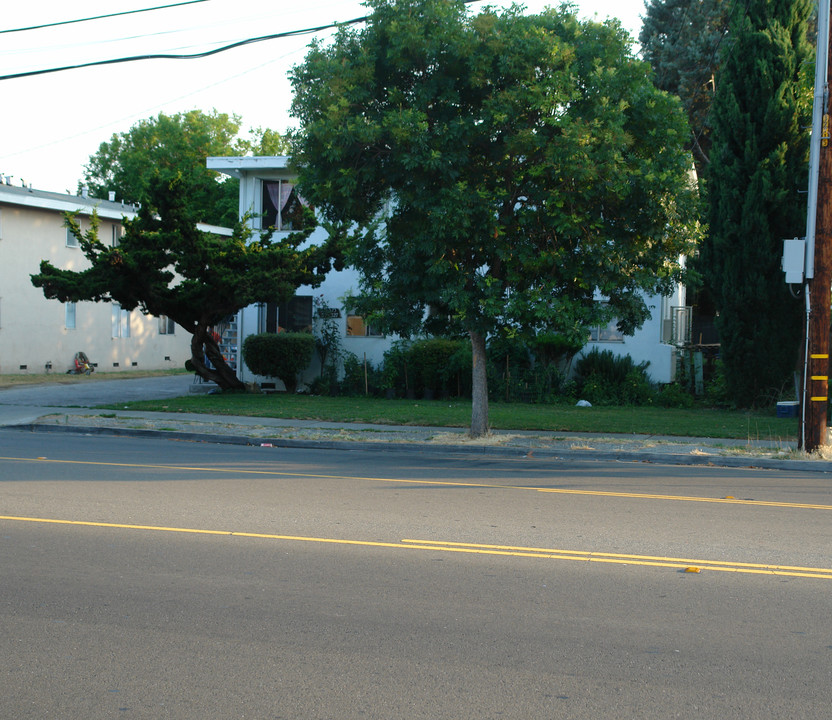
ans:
(193, 56)
(99, 17)
(185, 56)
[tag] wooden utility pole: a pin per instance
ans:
(819, 265)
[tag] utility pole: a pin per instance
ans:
(818, 261)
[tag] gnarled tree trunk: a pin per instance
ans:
(203, 345)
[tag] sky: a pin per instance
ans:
(51, 124)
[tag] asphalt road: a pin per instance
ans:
(160, 579)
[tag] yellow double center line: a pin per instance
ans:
(482, 549)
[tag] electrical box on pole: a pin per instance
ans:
(794, 260)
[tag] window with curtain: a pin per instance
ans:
(282, 206)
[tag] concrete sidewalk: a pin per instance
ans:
(72, 407)
(270, 432)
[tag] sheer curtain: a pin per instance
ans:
(279, 193)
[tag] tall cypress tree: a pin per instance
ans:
(758, 168)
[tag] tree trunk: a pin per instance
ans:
(479, 395)
(204, 346)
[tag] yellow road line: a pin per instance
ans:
(478, 549)
(687, 498)
(728, 565)
(442, 483)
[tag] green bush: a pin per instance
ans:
(674, 395)
(608, 379)
(360, 377)
(279, 355)
(396, 372)
(509, 351)
(433, 362)
(554, 349)
(636, 388)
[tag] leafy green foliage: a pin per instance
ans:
(555, 349)
(279, 355)
(439, 367)
(165, 266)
(674, 395)
(520, 164)
(681, 40)
(608, 379)
(180, 143)
(327, 341)
(758, 169)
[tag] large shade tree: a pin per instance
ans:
(165, 265)
(681, 39)
(129, 161)
(757, 173)
(522, 166)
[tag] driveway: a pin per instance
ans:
(26, 403)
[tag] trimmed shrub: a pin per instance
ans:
(431, 362)
(279, 355)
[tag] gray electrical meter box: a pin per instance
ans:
(794, 259)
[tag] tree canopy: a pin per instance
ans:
(165, 265)
(523, 167)
(128, 162)
(758, 170)
(681, 39)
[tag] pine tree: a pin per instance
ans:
(758, 168)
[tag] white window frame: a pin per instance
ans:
(166, 325)
(608, 333)
(120, 321)
(70, 315)
(71, 240)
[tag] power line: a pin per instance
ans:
(190, 56)
(99, 17)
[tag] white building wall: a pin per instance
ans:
(33, 332)
(653, 341)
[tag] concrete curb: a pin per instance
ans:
(636, 456)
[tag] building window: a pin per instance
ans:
(293, 316)
(69, 315)
(606, 333)
(118, 231)
(71, 240)
(357, 327)
(166, 325)
(120, 322)
(282, 207)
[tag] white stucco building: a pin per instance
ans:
(39, 335)
(267, 193)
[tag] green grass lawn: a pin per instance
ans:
(701, 422)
